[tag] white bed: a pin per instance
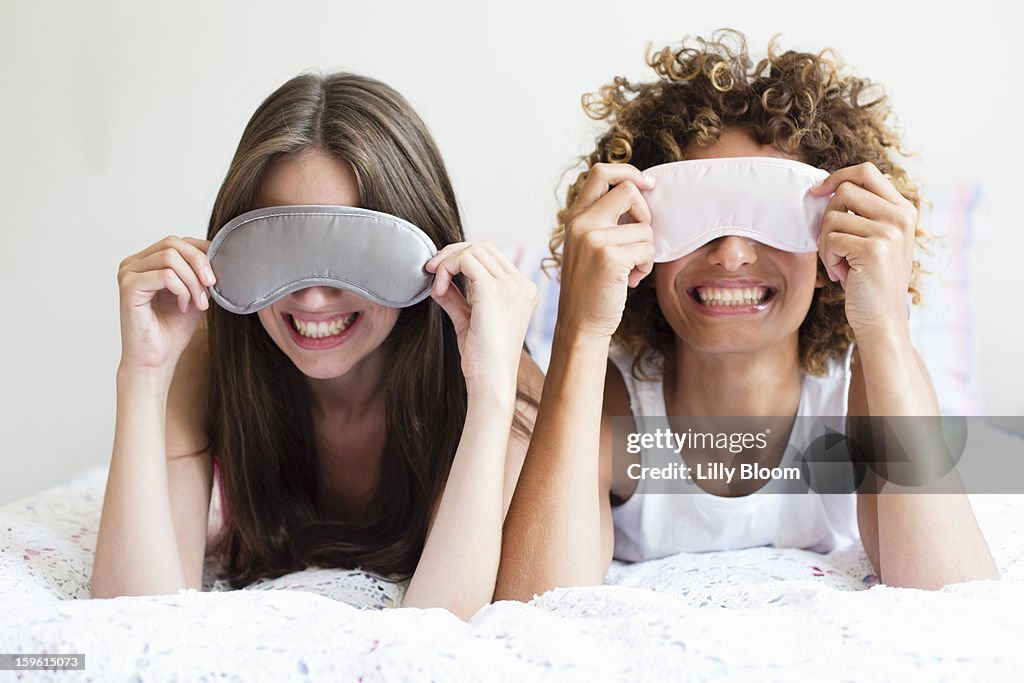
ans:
(758, 614)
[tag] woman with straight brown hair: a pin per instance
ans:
(343, 433)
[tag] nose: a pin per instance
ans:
(732, 252)
(315, 298)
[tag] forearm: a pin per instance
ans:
(553, 530)
(136, 547)
(925, 539)
(896, 382)
(459, 562)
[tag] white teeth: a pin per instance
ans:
(731, 296)
(317, 330)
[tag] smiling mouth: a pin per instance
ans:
(322, 329)
(732, 297)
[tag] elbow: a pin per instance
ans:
(463, 609)
(525, 591)
(511, 585)
(465, 612)
(520, 596)
(99, 590)
(515, 593)
(462, 603)
(523, 585)
(987, 571)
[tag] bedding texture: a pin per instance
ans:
(755, 614)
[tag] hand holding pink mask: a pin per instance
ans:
(762, 198)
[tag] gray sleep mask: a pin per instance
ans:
(264, 255)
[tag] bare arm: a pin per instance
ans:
(457, 567)
(915, 540)
(558, 525)
(152, 531)
(153, 541)
(460, 558)
(868, 236)
(531, 380)
(189, 459)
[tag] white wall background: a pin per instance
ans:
(118, 120)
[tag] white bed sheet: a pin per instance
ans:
(756, 614)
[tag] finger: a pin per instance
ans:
(196, 257)
(867, 176)
(449, 249)
(642, 255)
(852, 197)
(172, 258)
(443, 276)
(634, 249)
(839, 250)
(467, 263)
(603, 176)
(192, 249)
(169, 241)
(851, 223)
(151, 283)
(624, 199)
(845, 223)
(196, 254)
(461, 262)
(454, 305)
(619, 235)
(504, 261)
(203, 245)
(488, 260)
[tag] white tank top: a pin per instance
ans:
(660, 524)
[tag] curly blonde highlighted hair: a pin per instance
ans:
(803, 103)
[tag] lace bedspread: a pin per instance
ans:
(757, 614)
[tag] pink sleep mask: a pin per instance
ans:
(762, 198)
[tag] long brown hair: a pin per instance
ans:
(260, 421)
(804, 103)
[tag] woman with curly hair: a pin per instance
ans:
(734, 327)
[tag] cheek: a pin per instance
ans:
(801, 273)
(662, 277)
(266, 316)
(804, 270)
(384, 319)
(665, 276)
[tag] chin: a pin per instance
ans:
(727, 347)
(326, 368)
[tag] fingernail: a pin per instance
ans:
(208, 274)
(205, 299)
